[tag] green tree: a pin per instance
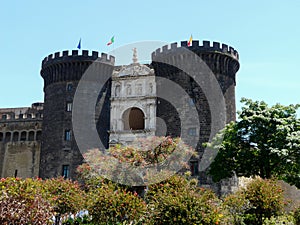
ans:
(147, 160)
(264, 141)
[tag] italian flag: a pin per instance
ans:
(190, 41)
(112, 40)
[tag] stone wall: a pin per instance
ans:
(20, 141)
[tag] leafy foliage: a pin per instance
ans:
(23, 202)
(148, 160)
(180, 201)
(264, 142)
(236, 205)
(35, 201)
(110, 204)
(64, 195)
(297, 215)
(260, 200)
(265, 198)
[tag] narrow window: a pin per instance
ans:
(65, 171)
(1, 136)
(4, 117)
(192, 131)
(16, 136)
(23, 136)
(69, 86)
(194, 168)
(38, 135)
(7, 136)
(67, 135)
(191, 102)
(31, 136)
(69, 106)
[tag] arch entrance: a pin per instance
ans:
(134, 119)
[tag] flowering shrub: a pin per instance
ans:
(179, 201)
(65, 196)
(35, 201)
(261, 200)
(236, 206)
(265, 197)
(109, 204)
(297, 215)
(155, 156)
(23, 202)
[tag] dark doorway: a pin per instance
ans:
(134, 119)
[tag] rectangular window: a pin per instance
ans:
(65, 171)
(69, 106)
(191, 102)
(67, 135)
(4, 117)
(192, 131)
(69, 86)
(194, 168)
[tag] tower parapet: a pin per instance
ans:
(221, 58)
(205, 47)
(62, 66)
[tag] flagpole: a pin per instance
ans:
(114, 48)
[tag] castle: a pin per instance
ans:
(40, 140)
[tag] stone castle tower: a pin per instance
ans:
(61, 73)
(218, 63)
(130, 102)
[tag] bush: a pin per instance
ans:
(65, 196)
(265, 197)
(126, 164)
(179, 201)
(23, 202)
(236, 205)
(279, 220)
(297, 216)
(110, 204)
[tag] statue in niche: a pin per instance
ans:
(150, 88)
(128, 89)
(139, 89)
(117, 90)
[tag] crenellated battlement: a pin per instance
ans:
(74, 55)
(206, 46)
(21, 117)
(69, 66)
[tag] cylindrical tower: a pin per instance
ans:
(62, 72)
(221, 60)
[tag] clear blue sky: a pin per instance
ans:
(265, 33)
